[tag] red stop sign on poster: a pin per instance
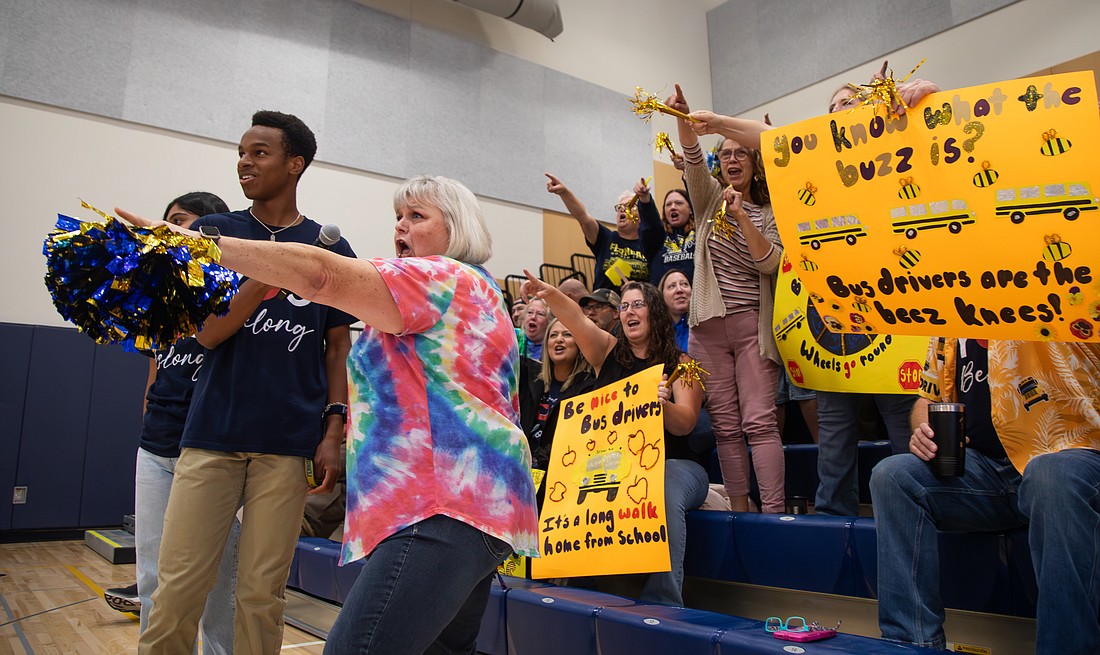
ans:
(909, 375)
(794, 371)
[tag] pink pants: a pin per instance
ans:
(741, 390)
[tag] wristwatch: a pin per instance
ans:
(337, 409)
(210, 232)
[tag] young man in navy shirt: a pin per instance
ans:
(272, 394)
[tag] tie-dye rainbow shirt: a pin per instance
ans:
(434, 412)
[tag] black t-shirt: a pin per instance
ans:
(263, 389)
(609, 250)
(169, 396)
(677, 446)
(972, 381)
(665, 252)
(547, 402)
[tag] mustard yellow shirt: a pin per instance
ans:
(1045, 395)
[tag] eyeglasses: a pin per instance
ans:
(741, 154)
(636, 304)
(595, 306)
(620, 207)
(792, 624)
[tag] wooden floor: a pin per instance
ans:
(51, 603)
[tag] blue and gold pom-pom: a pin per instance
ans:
(141, 288)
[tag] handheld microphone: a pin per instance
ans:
(329, 236)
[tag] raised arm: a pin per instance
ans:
(650, 229)
(353, 285)
(575, 207)
(594, 343)
(742, 130)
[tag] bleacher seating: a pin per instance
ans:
(981, 572)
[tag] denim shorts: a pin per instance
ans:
(789, 391)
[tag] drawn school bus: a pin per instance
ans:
(911, 219)
(824, 230)
(1069, 200)
(604, 471)
(789, 322)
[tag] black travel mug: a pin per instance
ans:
(948, 423)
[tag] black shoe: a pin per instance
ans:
(123, 599)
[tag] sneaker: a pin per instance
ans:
(123, 599)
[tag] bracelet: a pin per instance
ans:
(340, 409)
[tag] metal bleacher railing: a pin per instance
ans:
(585, 264)
(554, 273)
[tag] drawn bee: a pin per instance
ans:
(1053, 144)
(860, 305)
(986, 177)
(908, 190)
(1056, 249)
(806, 195)
(817, 300)
(807, 265)
(909, 257)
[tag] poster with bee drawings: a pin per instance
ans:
(604, 511)
(818, 358)
(974, 214)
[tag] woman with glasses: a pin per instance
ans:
(646, 339)
(618, 253)
(731, 310)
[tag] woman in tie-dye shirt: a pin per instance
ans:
(439, 482)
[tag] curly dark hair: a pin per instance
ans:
(662, 348)
(298, 139)
(199, 203)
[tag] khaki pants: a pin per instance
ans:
(208, 488)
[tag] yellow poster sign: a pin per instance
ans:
(973, 215)
(820, 359)
(604, 511)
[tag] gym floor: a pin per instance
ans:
(51, 603)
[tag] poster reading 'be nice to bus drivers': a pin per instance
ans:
(973, 215)
(604, 511)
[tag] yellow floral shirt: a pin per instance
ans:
(1045, 395)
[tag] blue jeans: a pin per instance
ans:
(686, 487)
(423, 590)
(911, 505)
(152, 483)
(838, 436)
